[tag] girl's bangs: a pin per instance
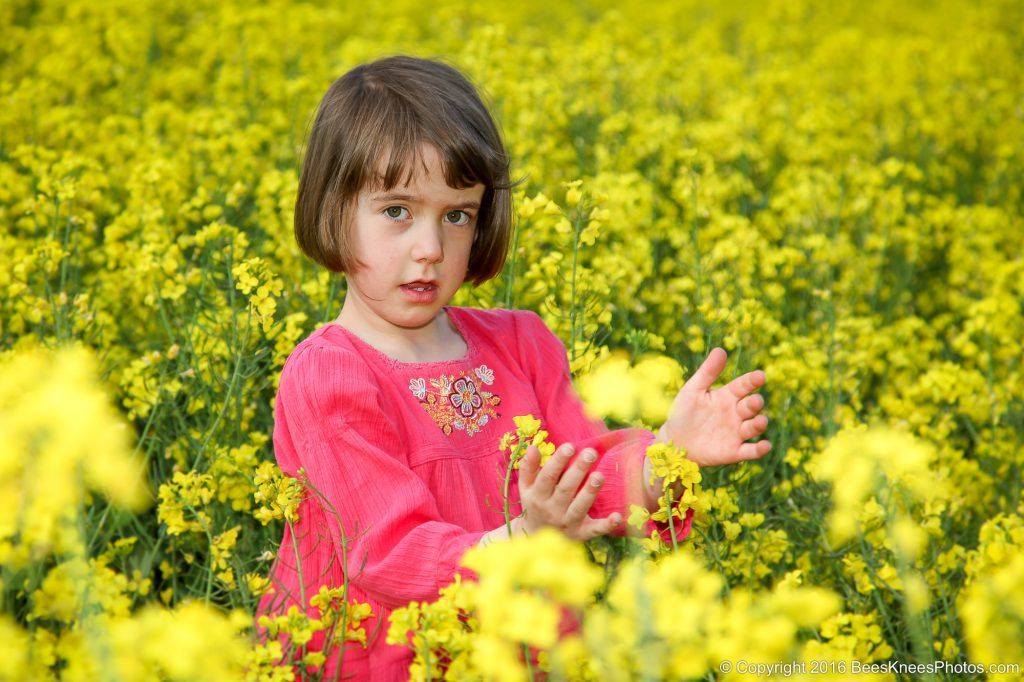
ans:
(403, 135)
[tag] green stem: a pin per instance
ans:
(695, 238)
(513, 458)
(298, 562)
(511, 279)
(344, 541)
(427, 662)
(529, 663)
(235, 373)
(671, 526)
(572, 300)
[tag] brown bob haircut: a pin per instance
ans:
(392, 107)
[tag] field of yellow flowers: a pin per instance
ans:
(831, 191)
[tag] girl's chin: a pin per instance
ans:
(415, 315)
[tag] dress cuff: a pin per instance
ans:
(450, 559)
(621, 456)
(679, 527)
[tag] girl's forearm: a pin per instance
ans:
(501, 534)
(662, 435)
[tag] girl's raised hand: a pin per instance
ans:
(549, 494)
(713, 425)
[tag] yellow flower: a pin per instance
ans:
(15, 648)
(59, 435)
(638, 516)
(572, 193)
(526, 425)
(992, 609)
(860, 462)
(546, 449)
(615, 389)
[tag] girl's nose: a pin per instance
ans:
(428, 245)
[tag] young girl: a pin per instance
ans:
(395, 410)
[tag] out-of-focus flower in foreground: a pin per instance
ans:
(59, 437)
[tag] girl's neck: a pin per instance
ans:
(437, 341)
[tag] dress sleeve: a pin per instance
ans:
(399, 549)
(621, 452)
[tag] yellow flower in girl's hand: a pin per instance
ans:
(528, 432)
(542, 444)
(526, 425)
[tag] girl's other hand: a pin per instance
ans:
(714, 425)
(549, 494)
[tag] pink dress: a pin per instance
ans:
(407, 454)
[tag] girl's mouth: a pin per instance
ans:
(420, 293)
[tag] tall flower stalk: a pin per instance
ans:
(527, 433)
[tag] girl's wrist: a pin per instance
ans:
(662, 435)
(501, 533)
(652, 491)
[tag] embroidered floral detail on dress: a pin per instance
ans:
(485, 374)
(456, 401)
(418, 387)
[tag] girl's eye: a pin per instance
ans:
(458, 217)
(395, 212)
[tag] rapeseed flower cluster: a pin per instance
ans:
(832, 196)
(279, 494)
(63, 446)
(59, 439)
(680, 492)
(640, 393)
(534, 611)
(339, 618)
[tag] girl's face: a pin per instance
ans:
(412, 236)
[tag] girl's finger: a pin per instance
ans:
(756, 450)
(750, 406)
(573, 476)
(551, 472)
(748, 383)
(753, 427)
(592, 528)
(708, 371)
(584, 499)
(609, 524)
(528, 467)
